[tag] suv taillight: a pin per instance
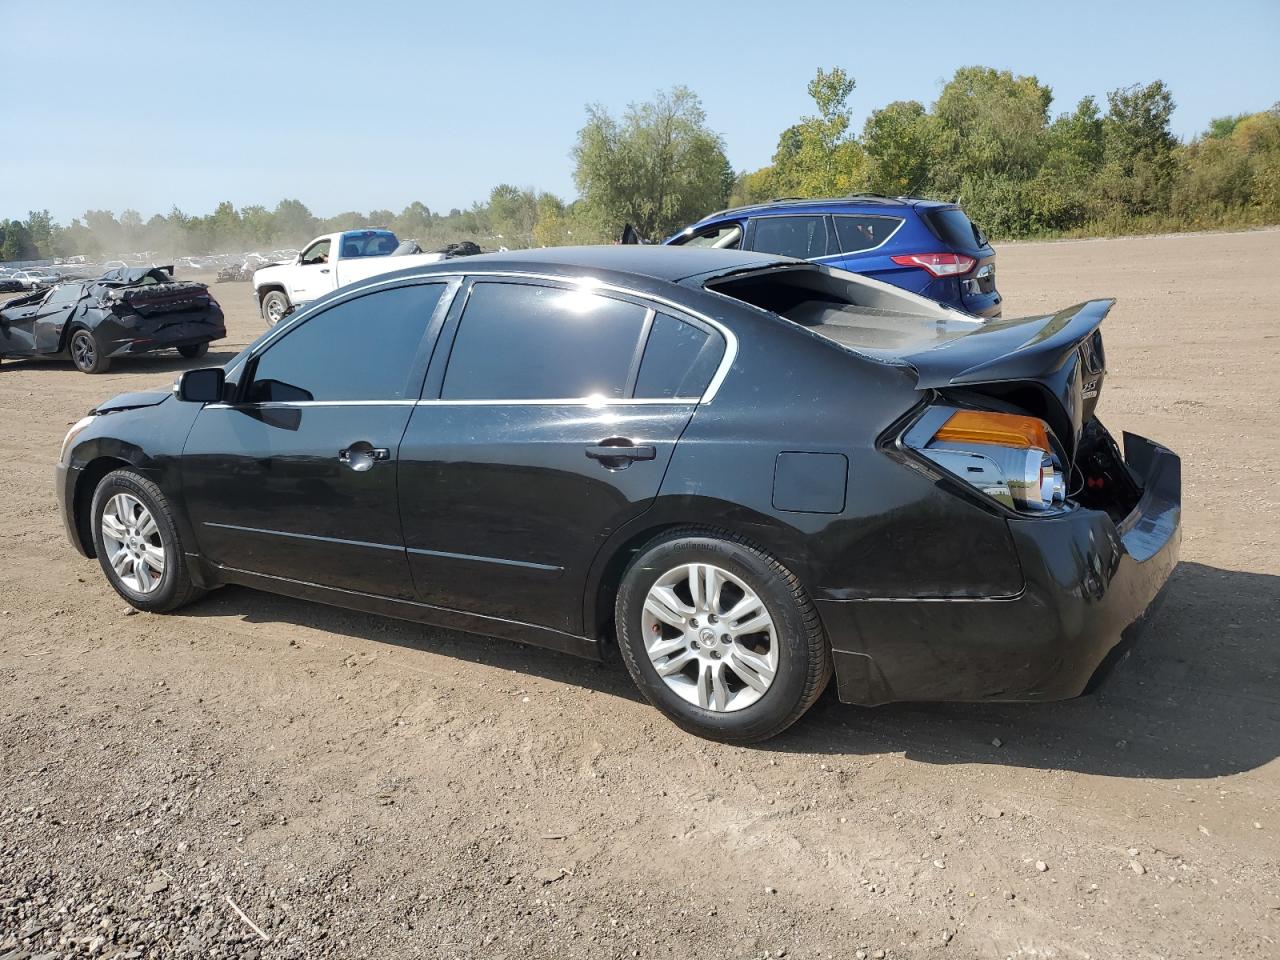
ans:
(938, 264)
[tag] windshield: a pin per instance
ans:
(368, 243)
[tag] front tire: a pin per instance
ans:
(720, 636)
(275, 307)
(138, 544)
(86, 352)
(192, 350)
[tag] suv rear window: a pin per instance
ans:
(952, 227)
(802, 237)
(858, 233)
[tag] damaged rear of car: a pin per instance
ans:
(1005, 420)
(126, 311)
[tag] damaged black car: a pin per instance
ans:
(126, 311)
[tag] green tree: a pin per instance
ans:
(1139, 170)
(513, 213)
(990, 123)
(18, 244)
(293, 222)
(818, 156)
(899, 140)
(40, 226)
(659, 167)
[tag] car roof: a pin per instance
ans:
(861, 203)
(650, 261)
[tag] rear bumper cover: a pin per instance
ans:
(161, 331)
(1090, 585)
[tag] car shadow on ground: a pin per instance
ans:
(1198, 697)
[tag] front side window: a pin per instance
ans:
(864, 233)
(316, 253)
(519, 341)
(359, 349)
(725, 236)
(679, 360)
(802, 237)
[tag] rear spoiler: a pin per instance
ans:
(968, 360)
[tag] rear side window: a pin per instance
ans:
(956, 230)
(864, 233)
(679, 360)
(803, 237)
(360, 349)
(525, 342)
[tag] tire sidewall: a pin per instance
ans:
(764, 716)
(126, 481)
(266, 309)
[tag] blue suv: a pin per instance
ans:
(924, 246)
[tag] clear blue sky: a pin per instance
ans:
(360, 105)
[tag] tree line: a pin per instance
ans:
(989, 141)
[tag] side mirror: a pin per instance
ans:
(201, 386)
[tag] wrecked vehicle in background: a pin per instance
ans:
(126, 311)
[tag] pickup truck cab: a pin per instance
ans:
(327, 263)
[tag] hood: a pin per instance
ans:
(132, 401)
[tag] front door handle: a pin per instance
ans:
(619, 452)
(362, 455)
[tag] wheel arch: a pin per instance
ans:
(272, 287)
(780, 540)
(86, 483)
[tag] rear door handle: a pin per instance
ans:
(619, 452)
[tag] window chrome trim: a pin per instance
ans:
(566, 402)
(553, 402)
(726, 362)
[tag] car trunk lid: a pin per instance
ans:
(1059, 355)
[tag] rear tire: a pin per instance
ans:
(193, 350)
(138, 544)
(86, 352)
(738, 677)
(275, 307)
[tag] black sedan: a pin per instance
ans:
(126, 311)
(750, 471)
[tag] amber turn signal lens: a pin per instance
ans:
(1005, 429)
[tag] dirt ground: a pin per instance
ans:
(362, 787)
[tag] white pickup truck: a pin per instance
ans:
(327, 263)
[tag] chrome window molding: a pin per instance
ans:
(553, 402)
(726, 362)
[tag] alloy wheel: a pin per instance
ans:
(83, 350)
(131, 539)
(710, 637)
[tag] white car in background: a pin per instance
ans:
(329, 262)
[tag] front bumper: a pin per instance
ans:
(65, 478)
(1089, 586)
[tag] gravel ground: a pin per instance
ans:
(262, 777)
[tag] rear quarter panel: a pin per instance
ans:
(899, 533)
